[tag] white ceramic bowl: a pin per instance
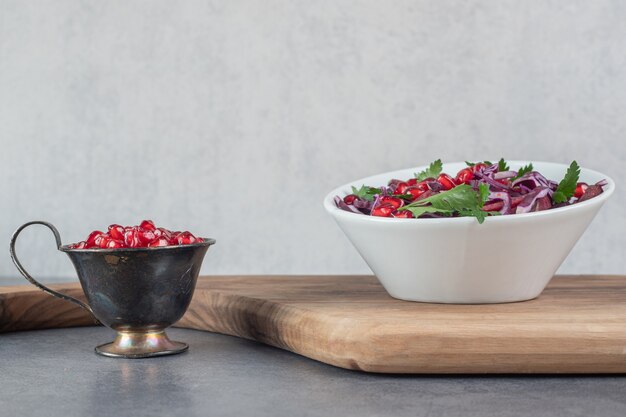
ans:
(457, 260)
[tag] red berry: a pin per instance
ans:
(464, 176)
(581, 187)
(383, 210)
(403, 214)
(394, 201)
(412, 181)
(185, 238)
(147, 225)
(401, 188)
(116, 232)
(161, 241)
(349, 199)
(446, 181)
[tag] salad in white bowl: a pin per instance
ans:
(478, 190)
(492, 233)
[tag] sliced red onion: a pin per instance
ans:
(434, 186)
(347, 207)
(363, 204)
(591, 192)
(532, 180)
(504, 174)
(506, 199)
(375, 203)
(491, 181)
(529, 200)
(602, 183)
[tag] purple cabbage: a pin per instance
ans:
(531, 192)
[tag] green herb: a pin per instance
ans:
(433, 171)
(462, 199)
(502, 166)
(567, 186)
(471, 164)
(523, 171)
(366, 193)
(483, 193)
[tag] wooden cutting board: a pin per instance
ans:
(578, 325)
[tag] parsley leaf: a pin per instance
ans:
(366, 193)
(483, 193)
(567, 186)
(502, 166)
(471, 164)
(461, 199)
(433, 171)
(523, 171)
(419, 210)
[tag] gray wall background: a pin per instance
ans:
(234, 118)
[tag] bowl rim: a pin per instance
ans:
(331, 207)
(206, 242)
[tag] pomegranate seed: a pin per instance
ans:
(446, 181)
(581, 187)
(116, 232)
(412, 182)
(394, 201)
(415, 193)
(131, 238)
(103, 240)
(383, 210)
(147, 225)
(145, 236)
(185, 238)
(401, 188)
(114, 244)
(403, 214)
(504, 181)
(464, 176)
(162, 241)
(479, 166)
(162, 232)
(349, 199)
(91, 239)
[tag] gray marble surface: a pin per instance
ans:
(56, 373)
(234, 118)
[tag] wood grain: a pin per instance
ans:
(578, 325)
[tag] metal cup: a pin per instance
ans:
(138, 292)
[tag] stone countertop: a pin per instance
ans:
(56, 373)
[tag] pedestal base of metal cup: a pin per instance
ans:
(136, 345)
